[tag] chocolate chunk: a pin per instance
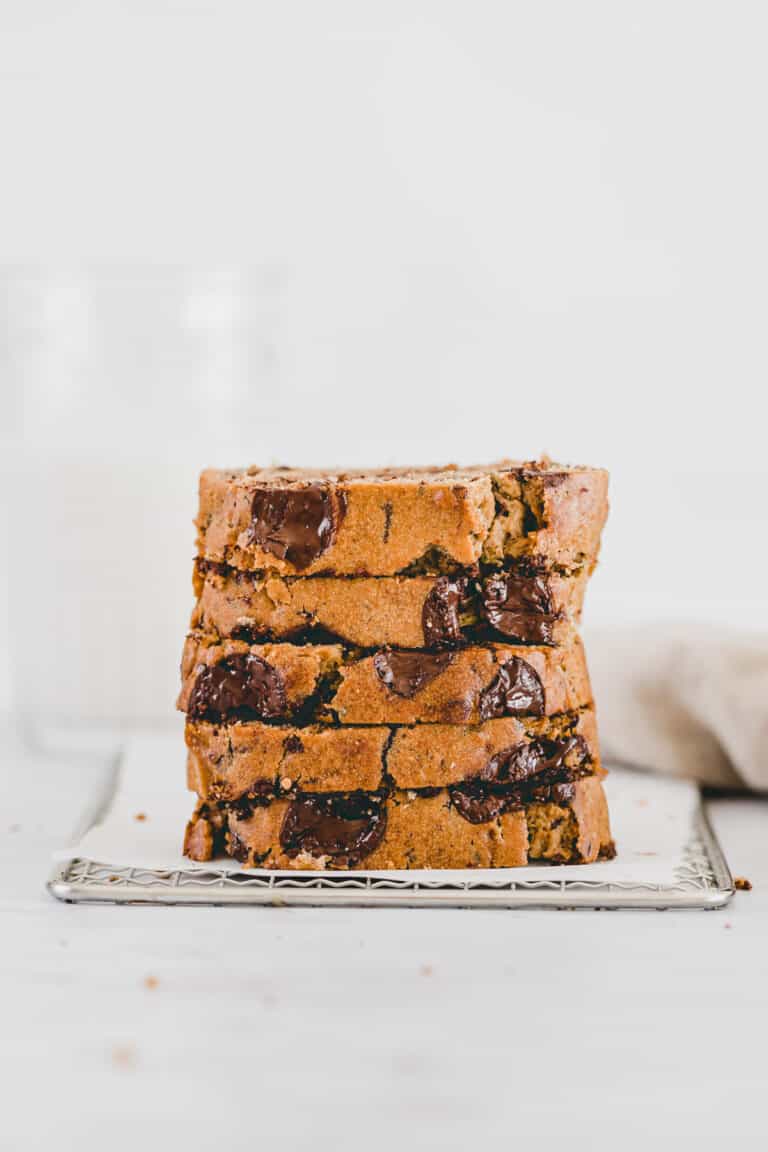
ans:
(520, 606)
(490, 796)
(292, 744)
(479, 806)
(516, 691)
(239, 682)
(525, 761)
(296, 524)
(346, 828)
(440, 614)
(259, 795)
(561, 793)
(406, 673)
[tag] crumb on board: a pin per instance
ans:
(140, 816)
(741, 884)
(151, 982)
(426, 970)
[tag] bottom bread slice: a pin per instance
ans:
(440, 828)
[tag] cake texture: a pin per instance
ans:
(382, 522)
(230, 678)
(566, 823)
(227, 761)
(522, 603)
(384, 670)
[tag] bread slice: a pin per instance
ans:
(521, 604)
(384, 522)
(229, 761)
(565, 823)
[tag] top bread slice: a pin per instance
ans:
(383, 522)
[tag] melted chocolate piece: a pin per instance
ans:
(478, 801)
(346, 828)
(561, 793)
(406, 673)
(525, 761)
(520, 606)
(292, 744)
(297, 524)
(440, 614)
(516, 691)
(477, 805)
(242, 681)
(260, 794)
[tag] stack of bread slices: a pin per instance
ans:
(384, 668)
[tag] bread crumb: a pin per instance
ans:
(741, 884)
(140, 816)
(151, 982)
(426, 970)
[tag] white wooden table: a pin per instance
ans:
(187, 1028)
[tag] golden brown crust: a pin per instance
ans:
(383, 522)
(429, 832)
(226, 761)
(367, 611)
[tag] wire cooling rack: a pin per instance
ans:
(701, 880)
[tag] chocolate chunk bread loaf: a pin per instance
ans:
(230, 678)
(443, 828)
(521, 603)
(383, 522)
(383, 668)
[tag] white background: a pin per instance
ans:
(409, 233)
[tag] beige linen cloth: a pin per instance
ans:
(683, 699)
